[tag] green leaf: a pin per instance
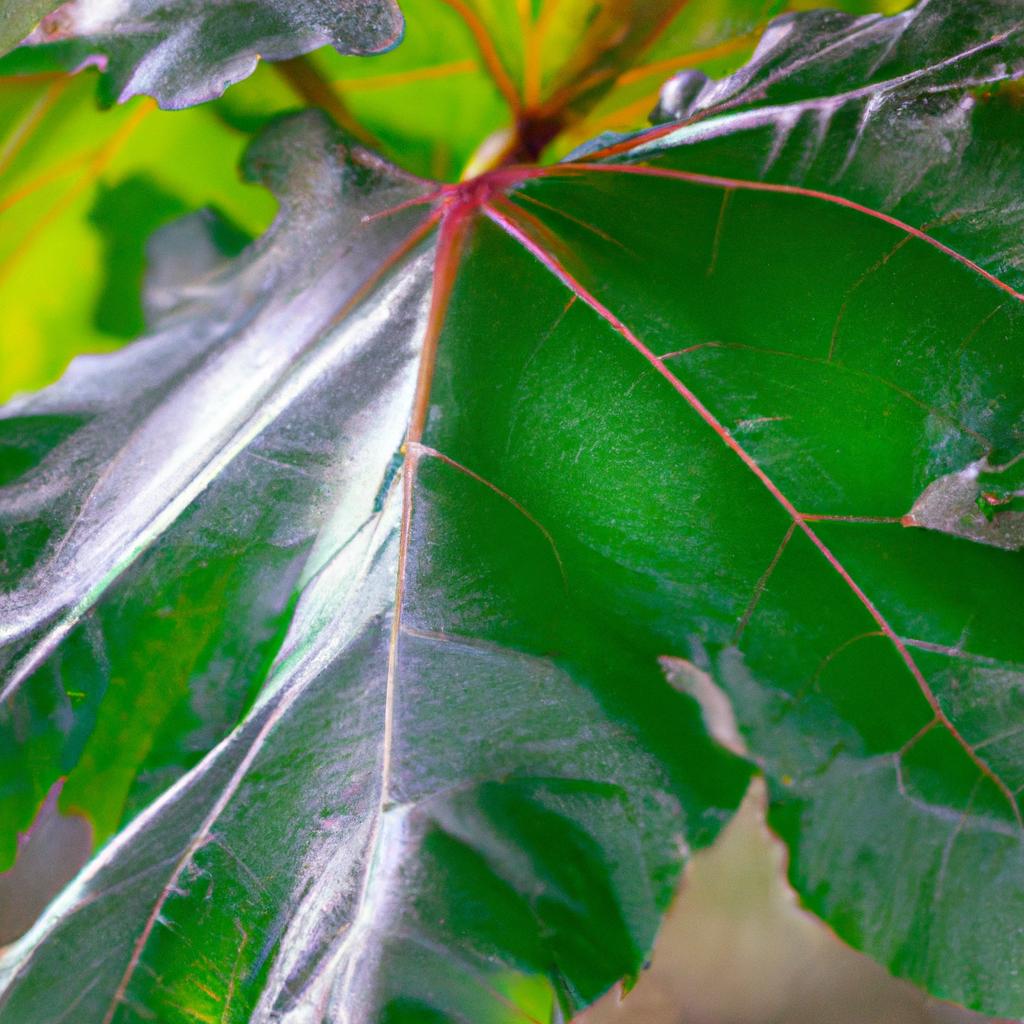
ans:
(726, 410)
(185, 52)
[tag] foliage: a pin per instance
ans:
(376, 604)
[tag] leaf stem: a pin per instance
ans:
(306, 81)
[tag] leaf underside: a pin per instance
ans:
(730, 392)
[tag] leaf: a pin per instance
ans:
(187, 252)
(676, 400)
(184, 52)
(426, 104)
(736, 946)
(802, 52)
